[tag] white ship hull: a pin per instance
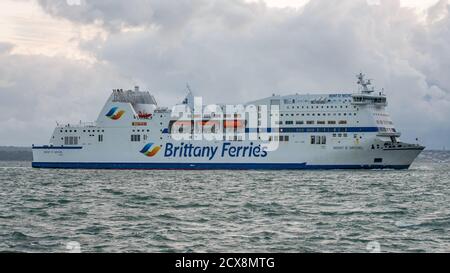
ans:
(288, 157)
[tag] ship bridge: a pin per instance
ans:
(366, 95)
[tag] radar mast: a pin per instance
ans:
(364, 84)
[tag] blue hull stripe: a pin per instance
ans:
(308, 130)
(315, 130)
(207, 166)
(57, 147)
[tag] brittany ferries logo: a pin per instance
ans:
(150, 150)
(115, 113)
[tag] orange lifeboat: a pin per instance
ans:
(233, 124)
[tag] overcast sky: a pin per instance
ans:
(59, 59)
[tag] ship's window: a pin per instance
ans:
(289, 122)
(331, 122)
(286, 138)
(342, 122)
(299, 122)
(100, 138)
(310, 122)
(84, 131)
(313, 139)
(324, 140)
(103, 131)
(321, 122)
(135, 138)
(378, 160)
(70, 140)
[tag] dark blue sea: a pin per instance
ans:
(226, 211)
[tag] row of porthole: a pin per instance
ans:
(314, 114)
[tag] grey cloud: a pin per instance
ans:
(36, 91)
(115, 14)
(233, 51)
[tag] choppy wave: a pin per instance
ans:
(209, 211)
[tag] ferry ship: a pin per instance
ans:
(292, 132)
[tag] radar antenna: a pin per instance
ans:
(364, 84)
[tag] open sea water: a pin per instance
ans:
(226, 211)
